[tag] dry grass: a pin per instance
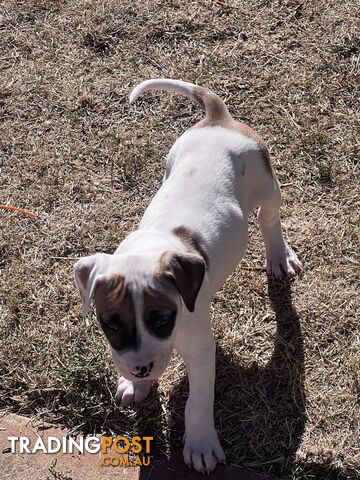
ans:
(73, 150)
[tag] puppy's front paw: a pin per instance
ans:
(129, 392)
(202, 450)
(283, 264)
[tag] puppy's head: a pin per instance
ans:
(138, 300)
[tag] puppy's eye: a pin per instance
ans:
(161, 319)
(160, 322)
(111, 323)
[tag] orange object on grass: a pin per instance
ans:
(20, 210)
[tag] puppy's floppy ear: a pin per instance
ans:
(187, 272)
(88, 273)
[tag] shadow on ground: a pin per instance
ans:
(260, 412)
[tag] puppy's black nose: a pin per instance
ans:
(144, 371)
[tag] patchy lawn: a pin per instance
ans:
(75, 152)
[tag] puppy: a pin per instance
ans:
(154, 293)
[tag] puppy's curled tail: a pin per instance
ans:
(215, 109)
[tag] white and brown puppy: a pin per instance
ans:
(153, 294)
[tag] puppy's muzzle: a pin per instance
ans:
(144, 371)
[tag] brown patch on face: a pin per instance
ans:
(116, 312)
(159, 312)
(191, 240)
(153, 298)
(217, 114)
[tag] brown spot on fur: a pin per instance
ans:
(243, 169)
(156, 303)
(113, 300)
(156, 299)
(192, 241)
(113, 289)
(217, 114)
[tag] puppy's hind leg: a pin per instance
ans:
(281, 261)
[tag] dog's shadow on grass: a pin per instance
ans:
(259, 411)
